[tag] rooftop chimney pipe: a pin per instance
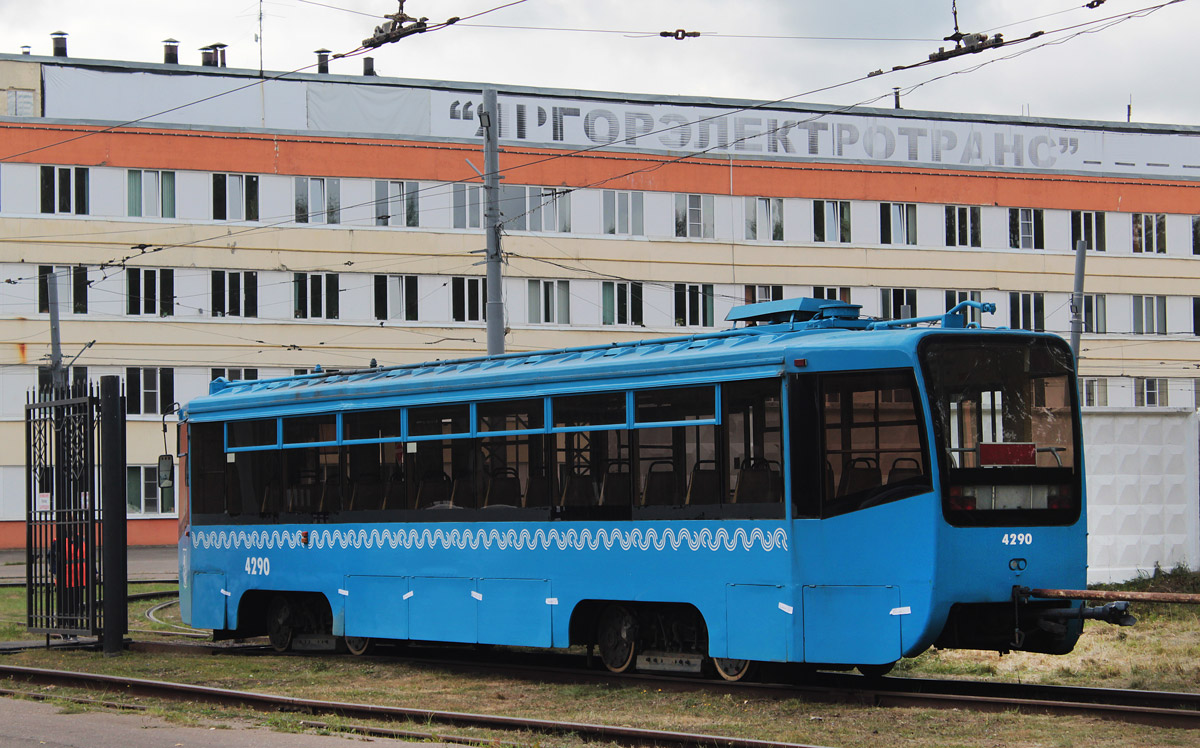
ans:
(219, 54)
(208, 57)
(25, 49)
(323, 61)
(368, 66)
(170, 51)
(60, 43)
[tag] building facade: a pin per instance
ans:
(203, 221)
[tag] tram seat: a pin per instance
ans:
(462, 492)
(756, 483)
(434, 488)
(705, 484)
(659, 489)
(578, 490)
(537, 491)
(861, 474)
(504, 489)
(904, 468)
(616, 489)
(829, 486)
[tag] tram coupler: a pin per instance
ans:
(1116, 613)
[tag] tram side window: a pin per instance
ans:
(443, 469)
(512, 463)
(586, 459)
(255, 484)
(676, 465)
(206, 448)
(873, 443)
(375, 471)
(753, 423)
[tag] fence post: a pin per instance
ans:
(112, 491)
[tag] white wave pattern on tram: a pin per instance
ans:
(639, 539)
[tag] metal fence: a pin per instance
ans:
(63, 515)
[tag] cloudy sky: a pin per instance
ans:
(759, 49)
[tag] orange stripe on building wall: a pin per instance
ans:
(373, 158)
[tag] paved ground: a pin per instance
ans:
(145, 562)
(29, 723)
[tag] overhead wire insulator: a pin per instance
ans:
(679, 34)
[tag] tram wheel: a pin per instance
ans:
(618, 634)
(358, 645)
(732, 670)
(279, 623)
(876, 671)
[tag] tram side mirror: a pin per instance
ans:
(166, 471)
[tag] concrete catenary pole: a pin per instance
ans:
(490, 120)
(1077, 300)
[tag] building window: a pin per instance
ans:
(397, 203)
(468, 299)
(149, 391)
(548, 209)
(1093, 392)
(832, 293)
(318, 200)
(963, 227)
(897, 223)
(396, 297)
(1027, 311)
(831, 221)
(549, 302)
(623, 213)
(150, 194)
(468, 206)
(1149, 392)
(1196, 235)
(150, 292)
(1150, 315)
(316, 295)
(764, 218)
(142, 494)
(898, 303)
(1095, 313)
(755, 294)
(235, 197)
(72, 286)
(236, 375)
(694, 216)
(1087, 226)
(234, 293)
(20, 102)
(954, 298)
(65, 190)
(1196, 319)
(693, 305)
(1026, 228)
(1150, 233)
(621, 303)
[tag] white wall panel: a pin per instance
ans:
(1143, 505)
(19, 188)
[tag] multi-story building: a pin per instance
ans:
(203, 221)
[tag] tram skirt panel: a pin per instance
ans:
(377, 607)
(760, 618)
(209, 599)
(852, 625)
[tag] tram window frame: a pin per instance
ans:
(815, 482)
(259, 443)
(355, 419)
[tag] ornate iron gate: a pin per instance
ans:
(63, 532)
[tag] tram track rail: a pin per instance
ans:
(1156, 708)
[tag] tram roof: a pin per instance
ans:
(736, 354)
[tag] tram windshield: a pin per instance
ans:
(1005, 427)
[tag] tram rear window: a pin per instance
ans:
(1006, 428)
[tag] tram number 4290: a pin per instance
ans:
(258, 566)
(1017, 538)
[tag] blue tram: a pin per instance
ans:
(812, 486)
